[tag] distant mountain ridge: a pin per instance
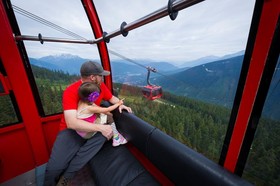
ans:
(208, 59)
(71, 63)
(216, 82)
(65, 62)
(213, 82)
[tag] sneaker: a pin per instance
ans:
(63, 181)
(119, 140)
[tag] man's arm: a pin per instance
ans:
(74, 123)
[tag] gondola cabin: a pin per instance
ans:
(152, 92)
(218, 125)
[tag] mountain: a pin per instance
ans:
(208, 59)
(272, 108)
(43, 64)
(213, 82)
(200, 61)
(72, 63)
(240, 53)
(123, 72)
(216, 82)
(66, 62)
(162, 66)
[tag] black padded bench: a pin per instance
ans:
(182, 165)
(116, 166)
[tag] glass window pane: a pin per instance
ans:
(51, 84)
(2, 90)
(8, 114)
(55, 65)
(198, 58)
(263, 165)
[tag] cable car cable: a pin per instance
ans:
(72, 34)
(147, 67)
(170, 10)
(125, 58)
(46, 22)
(83, 41)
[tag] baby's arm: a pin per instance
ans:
(97, 109)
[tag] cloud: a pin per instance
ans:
(211, 27)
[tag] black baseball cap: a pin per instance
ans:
(93, 68)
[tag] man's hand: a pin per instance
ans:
(121, 107)
(106, 131)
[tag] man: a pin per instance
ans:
(71, 152)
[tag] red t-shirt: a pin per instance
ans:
(70, 99)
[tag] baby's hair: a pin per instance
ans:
(85, 91)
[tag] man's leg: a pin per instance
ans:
(86, 153)
(66, 145)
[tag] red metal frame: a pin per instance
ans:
(28, 143)
(267, 25)
(97, 30)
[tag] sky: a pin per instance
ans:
(211, 27)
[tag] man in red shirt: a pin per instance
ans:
(71, 152)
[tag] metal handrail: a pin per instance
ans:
(53, 39)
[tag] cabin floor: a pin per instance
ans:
(36, 176)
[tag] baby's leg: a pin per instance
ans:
(110, 119)
(118, 139)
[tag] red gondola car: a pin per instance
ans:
(152, 92)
